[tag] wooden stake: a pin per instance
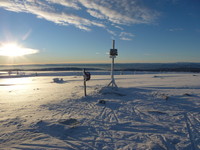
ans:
(84, 82)
(85, 94)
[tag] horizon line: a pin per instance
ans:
(88, 62)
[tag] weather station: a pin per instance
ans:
(113, 54)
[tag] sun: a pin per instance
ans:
(15, 50)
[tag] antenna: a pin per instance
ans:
(113, 54)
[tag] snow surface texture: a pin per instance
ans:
(148, 111)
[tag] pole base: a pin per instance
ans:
(113, 84)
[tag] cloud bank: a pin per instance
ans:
(108, 14)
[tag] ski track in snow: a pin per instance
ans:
(148, 113)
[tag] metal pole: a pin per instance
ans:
(112, 83)
(112, 65)
(112, 73)
(113, 57)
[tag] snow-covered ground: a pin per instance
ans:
(147, 111)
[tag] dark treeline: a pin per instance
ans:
(97, 69)
(156, 67)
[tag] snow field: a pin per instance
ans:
(150, 111)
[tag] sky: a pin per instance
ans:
(81, 31)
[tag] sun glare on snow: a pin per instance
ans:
(14, 50)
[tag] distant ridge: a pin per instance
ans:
(156, 67)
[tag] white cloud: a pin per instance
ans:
(121, 12)
(96, 14)
(111, 32)
(176, 29)
(104, 13)
(126, 36)
(45, 11)
(67, 3)
(118, 27)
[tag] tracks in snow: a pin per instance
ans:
(125, 123)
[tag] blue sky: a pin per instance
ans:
(81, 31)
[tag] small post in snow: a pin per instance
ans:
(86, 77)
